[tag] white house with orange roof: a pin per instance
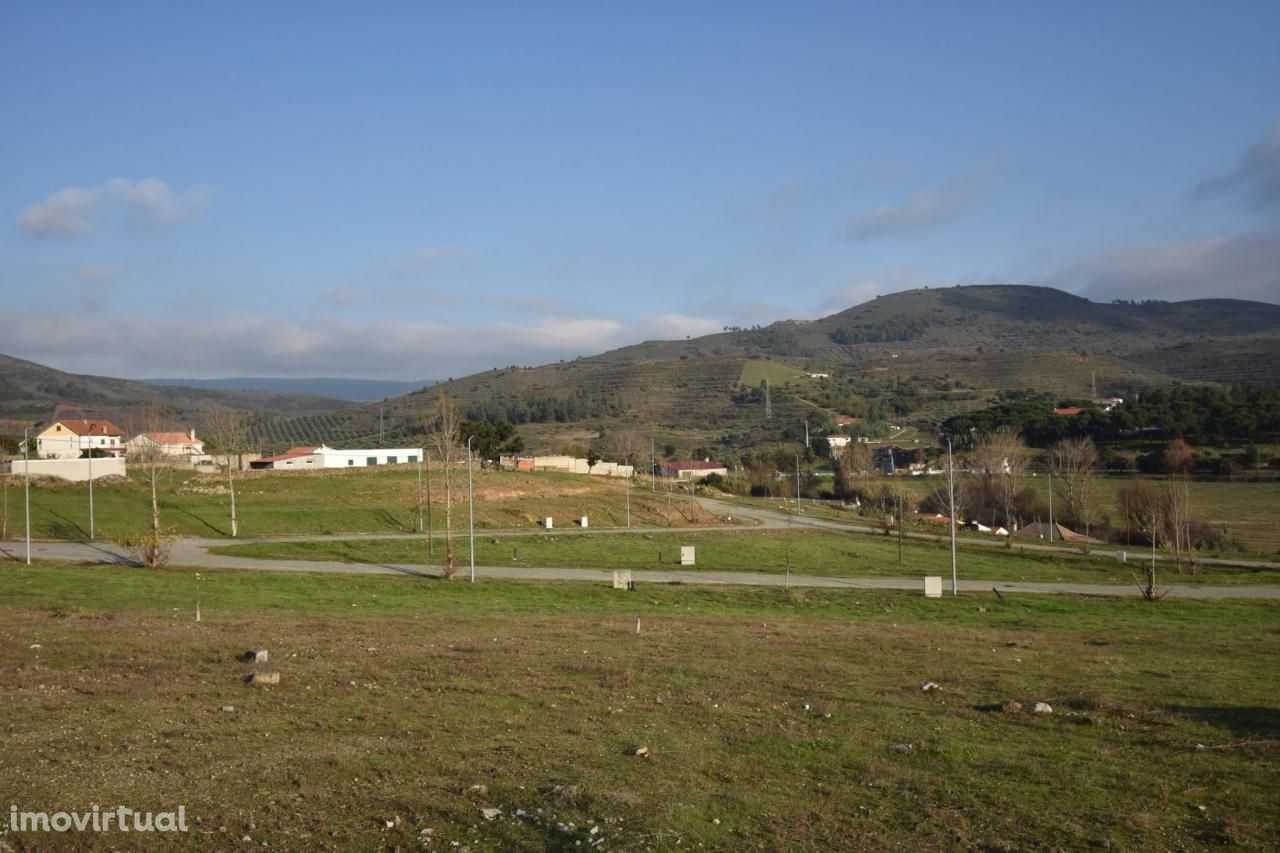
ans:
(71, 437)
(180, 445)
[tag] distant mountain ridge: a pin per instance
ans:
(352, 390)
(915, 357)
(958, 346)
(32, 393)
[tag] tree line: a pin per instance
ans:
(1197, 413)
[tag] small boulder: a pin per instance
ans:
(901, 747)
(930, 685)
(491, 814)
(1043, 708)
(254, 656)
(641, 751)
(1011, 707)
(258, 679)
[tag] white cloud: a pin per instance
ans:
(344, 295)
(72, 211)
(63, 214)
(425, 259)
(866, 285)
(923, 209)
(1243, 266)
(255, 344)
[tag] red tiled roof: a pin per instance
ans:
(179, 438)
(1068, 411)
(90, 427)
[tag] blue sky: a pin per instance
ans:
(416, 190)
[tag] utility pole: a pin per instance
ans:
(380, 441)
(806, 433)
(419, 493)
(653, 464)
(768, 404)
(471, 511)
(797, 484)
(1093, 383)
(898, 490)
(951, 488)
(90, 486)
(628, 501)
(26, 486)
(1051, 506)
(431, 547)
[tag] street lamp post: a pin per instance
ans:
(471, 511)
(628, 500)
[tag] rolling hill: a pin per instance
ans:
(32, 393)
(917, 357)
(912, 358)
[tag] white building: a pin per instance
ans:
(838, 440)
(310, 458)
(67, 439)
(183, 445)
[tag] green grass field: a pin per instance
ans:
(757, 370)
(772, 720)
(1250, 511)
(808, 552)
(335, 502)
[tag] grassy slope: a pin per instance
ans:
(335, 502)
(804, 551)
(770, 717)
(341, 502)
(989, 337)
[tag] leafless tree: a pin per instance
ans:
(625, 446)
(1074, 464)
(852, 463)
(228, 431)
(999, 462)
(1175, 512)
(152, 549)
(444, 436)
(1142, 507)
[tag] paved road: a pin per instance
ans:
(193, 553)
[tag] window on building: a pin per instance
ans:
(391, 460)
(351, 461)
(411, 458)
(371, 460)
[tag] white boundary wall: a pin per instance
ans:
(75, 470)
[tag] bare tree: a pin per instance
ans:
(1000, 461)
(1175, 512)
(152, 549)
(1074, 464)
(852, 463)
(444, 435)
(1142, 507)
(228, 430)
(625, 446)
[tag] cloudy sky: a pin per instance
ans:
(412, 190)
